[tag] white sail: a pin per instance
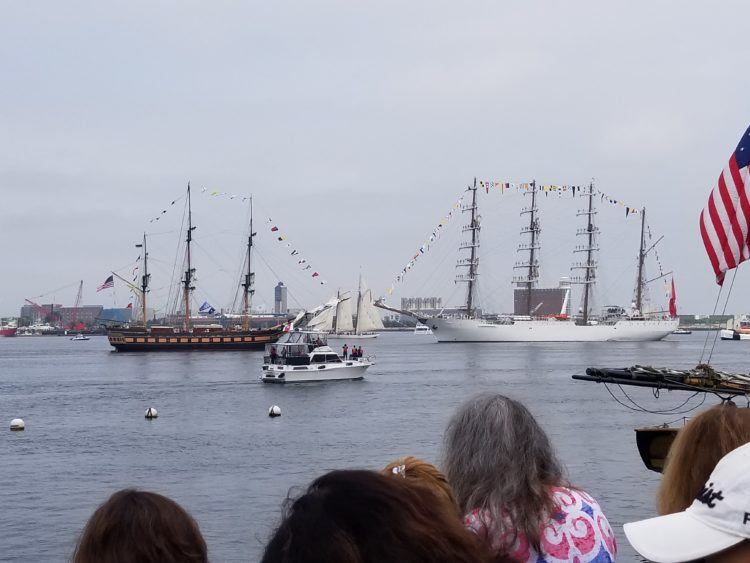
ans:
(344, 321)
(368, 318)
(373, 313)
(323, 320)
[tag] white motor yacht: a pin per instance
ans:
(78, 337)
(422, 329)
(304, 356)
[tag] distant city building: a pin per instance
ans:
(421, 303)
(86, 314)
(279, 293)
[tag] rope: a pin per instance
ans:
(638, 408)
(723, 311)
(708, 332)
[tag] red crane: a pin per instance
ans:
(75, 324)
(45, 314)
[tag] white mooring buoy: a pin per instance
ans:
(274, 411)
(151, 413)
(17, 424)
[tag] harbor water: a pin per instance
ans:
(215, 450)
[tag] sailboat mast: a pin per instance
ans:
(359, 303)
(589, 256)
(190, 270)
(144, 280)
(249, 283)
(641, 261)
(474, 228)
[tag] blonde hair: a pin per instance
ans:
(424, 474)
(695, 452)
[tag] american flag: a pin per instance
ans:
(725, 220)
(109, 282)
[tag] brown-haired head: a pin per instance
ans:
(136, 526)
(695, 452)
(417, 471)
(366, 517)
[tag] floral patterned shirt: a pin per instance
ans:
(577, 532)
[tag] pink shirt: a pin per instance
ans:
(577, 532)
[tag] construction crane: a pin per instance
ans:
(44, 314)
(75, 324)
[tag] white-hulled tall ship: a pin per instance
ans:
(190, 336)
(615, 324)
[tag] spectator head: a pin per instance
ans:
(137, 526)
(715, 528)
(367, 517)
(499, 461)
(425, 474)
(696, 450)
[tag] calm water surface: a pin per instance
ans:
(214, 449)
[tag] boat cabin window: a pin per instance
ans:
(318, 359)
(332, 358)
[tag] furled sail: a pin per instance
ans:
(344, 316)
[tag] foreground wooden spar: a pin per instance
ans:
(702, 378)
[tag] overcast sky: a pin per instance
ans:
(357, 126)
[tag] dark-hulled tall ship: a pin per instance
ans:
(189, 336)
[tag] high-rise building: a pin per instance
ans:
(279, 293)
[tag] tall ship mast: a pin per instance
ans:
(531, 266)
(614, 324)
(587, 278)
(189, 335)
(144, 281)
(248, 285)
(640, 282)
(187, 282)
(472, 246)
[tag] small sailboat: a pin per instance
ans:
(337, 321)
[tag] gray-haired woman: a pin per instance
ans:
(511, 488)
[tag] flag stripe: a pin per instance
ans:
(729, 207)
(710, 250)
(724, 221)
(718, 226)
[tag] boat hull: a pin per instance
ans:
(141, 341)
(350, 369)
(729, 334)
(477, 330)
(8, 331)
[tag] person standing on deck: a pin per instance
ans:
(273, 354)
(346, 351)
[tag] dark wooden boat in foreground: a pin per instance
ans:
(188, 337)
(653, 445)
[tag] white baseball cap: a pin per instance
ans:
(717, 520)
